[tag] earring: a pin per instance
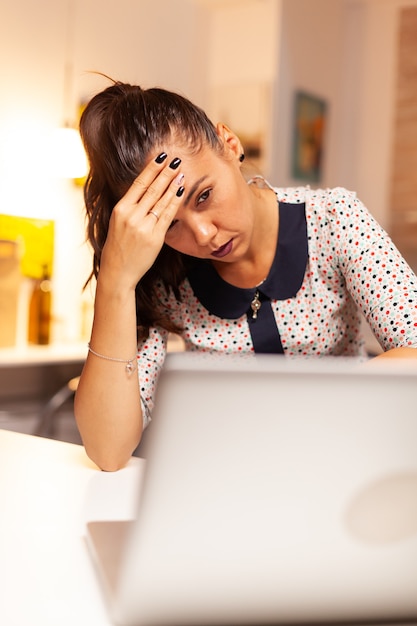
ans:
(242, 157)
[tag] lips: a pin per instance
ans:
(223, 250)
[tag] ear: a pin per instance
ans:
(230, 140)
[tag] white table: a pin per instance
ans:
(48, 491)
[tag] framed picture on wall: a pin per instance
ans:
(308, 139)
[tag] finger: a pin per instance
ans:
(164, 211)
(145, 178)
(160, 186)
(153, 180)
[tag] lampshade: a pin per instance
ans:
(69, 158)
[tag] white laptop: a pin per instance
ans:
(276, 491)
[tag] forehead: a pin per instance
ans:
(195, 164)
(187, 151)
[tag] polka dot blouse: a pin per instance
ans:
(333, 261)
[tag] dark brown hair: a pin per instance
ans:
(121, 127)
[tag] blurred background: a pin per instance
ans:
(244, 61)
(322, 92)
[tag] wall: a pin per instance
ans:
(403, 183)
(373, 86)
(311, 59)
(243, 55)
(377, 102)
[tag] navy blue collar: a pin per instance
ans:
(284, 279)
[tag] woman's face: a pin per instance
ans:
(215, 218)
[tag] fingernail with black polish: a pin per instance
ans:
(180, 192)
(175, 163)
(161, 157)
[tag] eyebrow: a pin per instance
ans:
(193, 190)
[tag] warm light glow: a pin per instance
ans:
(68, 156)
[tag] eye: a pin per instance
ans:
(203, 197)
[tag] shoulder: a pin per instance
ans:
(328, 197)
(292, 195)
(330, 204)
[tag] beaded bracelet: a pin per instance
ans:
(131, 364)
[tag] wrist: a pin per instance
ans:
(114, 288)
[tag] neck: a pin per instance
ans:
(254, 267)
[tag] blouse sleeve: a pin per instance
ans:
(151, 357)
(379, 280)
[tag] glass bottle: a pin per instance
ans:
(40, 310)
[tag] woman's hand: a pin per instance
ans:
(140, 220)
(107, 403)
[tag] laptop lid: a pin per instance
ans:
(276, 491)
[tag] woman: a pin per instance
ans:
(183, 243)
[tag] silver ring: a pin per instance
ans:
(154, 213)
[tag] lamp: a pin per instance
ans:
(69, 158)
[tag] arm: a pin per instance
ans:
(107, 403)
(377, 277)
(398, 353)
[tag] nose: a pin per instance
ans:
(202, 230)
